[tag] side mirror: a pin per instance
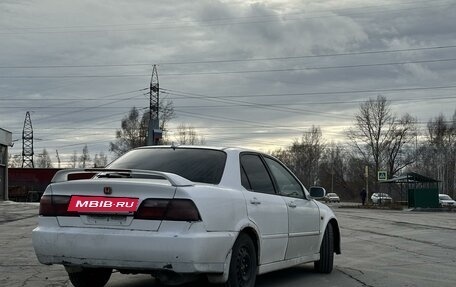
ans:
(317, 192)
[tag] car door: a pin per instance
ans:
(265, 208)
(303, 213)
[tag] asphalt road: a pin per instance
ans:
(379, 248)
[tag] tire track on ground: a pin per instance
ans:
(400, 222)
(401, 237)
(17, 219)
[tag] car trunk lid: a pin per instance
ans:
(110, 202)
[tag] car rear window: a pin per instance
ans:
(197, 165)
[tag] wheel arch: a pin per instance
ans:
(253, 235)
(336, 232)
(251, 232)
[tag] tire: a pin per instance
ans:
(243, 264)
(90, 277)
(325, 264)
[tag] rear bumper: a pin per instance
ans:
(190, 252)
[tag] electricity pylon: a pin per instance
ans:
(154, 133)
(27, 142)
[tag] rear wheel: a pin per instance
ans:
(90, 277)
(325, 264)
(243, 265)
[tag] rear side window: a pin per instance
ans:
(197, 165)
(254, 175)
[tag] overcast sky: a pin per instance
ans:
(244, 73)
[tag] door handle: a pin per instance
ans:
(255, 201)
(292, 204)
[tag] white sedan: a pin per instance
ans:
(446, 200)
(332, 197)
(176, 212)
(381, 198)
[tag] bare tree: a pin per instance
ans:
(132, 134)
(14, 160)
(84, 159)
(74, 160)
(399, 153)
(166, 114)
(134, 128)
(303, 156)
(100, 160)
(437, 155)
(381, 138)
(333, 166)
(43, 160)
(373, 126)
(187, 135)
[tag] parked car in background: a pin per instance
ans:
(381, 198)
(332, 197)
(446, 200)
(177, 212)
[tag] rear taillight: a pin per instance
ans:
(168, 209)
(55, 205)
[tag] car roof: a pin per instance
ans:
(225, 149)
(181, 146)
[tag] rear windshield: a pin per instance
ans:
(197, 165)
(444, 197)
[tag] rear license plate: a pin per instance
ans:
(90, 204)
(107, 220)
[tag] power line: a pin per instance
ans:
(331, 92)
(277, 19)
(57, 99)
(298, 129)
(423, 123)
(257, 125)
(234, 72)
(282, 103)
(88, 108)
(200, 96)
(263, 106)
(75, 99)
(254, 95)
(409, 100)
(214, 19)
(233, 60)
(313, 68)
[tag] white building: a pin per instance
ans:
(5, 142)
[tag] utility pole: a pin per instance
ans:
(27, 142)
(154, 134)
(366, 174)
(58, 157)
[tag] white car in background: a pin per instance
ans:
(446, 201)
(176, 212)
(381, 198)
(332, 197)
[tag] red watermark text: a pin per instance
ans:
(102, 204)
